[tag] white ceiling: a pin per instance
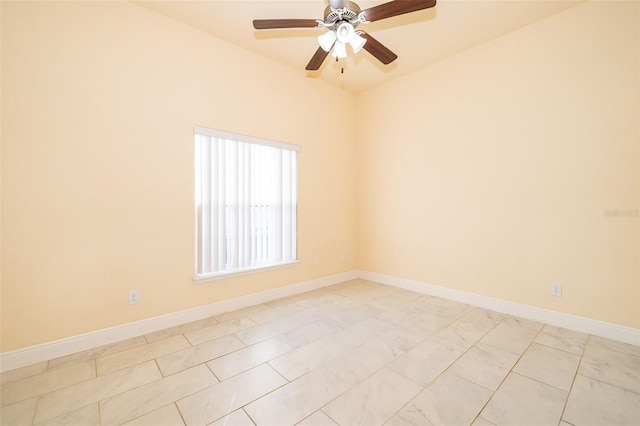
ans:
(419, 38)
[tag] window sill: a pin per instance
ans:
(199, 279)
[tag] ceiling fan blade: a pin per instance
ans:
(268, 24)
(338, 4)
(317, 60)
(378, 50)
(395, 8)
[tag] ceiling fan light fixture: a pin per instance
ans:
(339, 50)
(327, 39)
(345, 32)
(357, 42)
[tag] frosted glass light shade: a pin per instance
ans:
(326, 40)
(345, 32)
(357, 42)
(339, 50)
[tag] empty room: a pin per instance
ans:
(320, 212)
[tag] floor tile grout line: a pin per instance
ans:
(311, 322)
(461, 355)
(155, 409)
(253, 400)
(609, 384)
(306, 417)
(175, 403)
(539, 381)
(561, 349)
(155, 360)
(508, 372)
(100, 402)
(35, 411)
(142, 415)
(467, 350)
(38, 396)
(399, 410)
(130, 389)
(278, 319)
(206, 364)
(3, 383)
(558, 349)
(327, 414)
(247, 414)
(142, 362)
(595, 379)
(97, 356)
(575, 375)
(66, 413)
(242, 407)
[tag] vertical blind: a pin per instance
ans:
(246, 202)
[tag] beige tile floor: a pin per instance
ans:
(353, 353)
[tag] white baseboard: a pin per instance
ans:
(33, 354)
(51, 350)
(573, 322)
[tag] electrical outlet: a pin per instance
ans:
(344, 258)
(134, 297)
(556, 290)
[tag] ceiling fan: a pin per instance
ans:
(341, 18)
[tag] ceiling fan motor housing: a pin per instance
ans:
(333, 17)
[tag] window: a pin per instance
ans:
(246, 202)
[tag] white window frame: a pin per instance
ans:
(204, 214)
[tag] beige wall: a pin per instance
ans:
(99, 101)
(491, 171)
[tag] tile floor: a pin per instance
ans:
(353, 353)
